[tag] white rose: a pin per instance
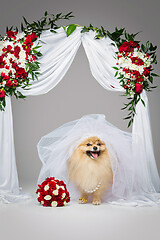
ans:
(22, 55)
(55, 192)
(42, 202)
(57, 186)
(63, 195)
(46, 187)
(62, 187)
(128, 62)
(54, 204)
(121, 60)
(47, 197)
(65, 203)
(20, 35)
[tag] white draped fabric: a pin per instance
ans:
(58, 53)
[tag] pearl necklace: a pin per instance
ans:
(93, 190)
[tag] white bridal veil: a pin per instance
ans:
(132, 182)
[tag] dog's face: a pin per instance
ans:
(93, 147)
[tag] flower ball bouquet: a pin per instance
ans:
(53, 193)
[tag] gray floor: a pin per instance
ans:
(29, 220)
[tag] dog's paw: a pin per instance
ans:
(96, 202)
(82, 201)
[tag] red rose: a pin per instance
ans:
(136, 74)
(2, 93)
(137, 61)
(27, 48)
(33, 36)
(138, 88)
(9, 47)
(2, 62)
(146, 72)
(127, 47)
(133, 44)
(15, 83)
(28, 39)
(9, 84)
(17, 49)
(21, 73)
(11, 34)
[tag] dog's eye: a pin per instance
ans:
(98, 144)
(88, 144)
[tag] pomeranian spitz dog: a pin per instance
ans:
(90, 169)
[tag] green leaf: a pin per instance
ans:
(116, 74)
(154, 75)
(84, 29)
(151, 79)
(143, 48)
(115, 68)
(70, 29)
(143, 102)
(25, 21)
(127, 117)
(53, 31)
(130, 122)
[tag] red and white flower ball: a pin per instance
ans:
(53, 193)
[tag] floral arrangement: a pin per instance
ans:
(53, 193)
(19, 55)
(134, 68)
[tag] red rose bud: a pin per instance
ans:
(17, 49)
(133, 44)
(2, 62)
(15, 83)
(9, 47)
(2, 93)
(146, 72)
(28, 39)
(125, 86)
(138, 88)
(33, 36)
(11, 34)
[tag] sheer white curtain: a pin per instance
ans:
(101, 55)
(58, 53)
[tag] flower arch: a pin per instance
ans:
(57, 53)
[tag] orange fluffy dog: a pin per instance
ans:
(90, 169)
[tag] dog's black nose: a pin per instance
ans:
(95, 148)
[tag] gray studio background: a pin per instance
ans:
(78, 93)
